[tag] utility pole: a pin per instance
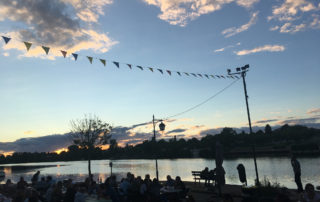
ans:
(242, 71)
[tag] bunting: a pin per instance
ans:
(28, 45)
(103, 62)
(6, 39)
(46, 49)
(90, 59)
(75, 56)
(64, 53)
(117, 64)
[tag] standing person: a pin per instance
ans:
(35, 178)
(297, 173)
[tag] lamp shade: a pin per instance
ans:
(162, 126)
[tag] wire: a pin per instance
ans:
(205, 101)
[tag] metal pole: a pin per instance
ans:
(243, 74)
(154, 137)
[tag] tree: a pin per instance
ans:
(89, 133)
(268, 130)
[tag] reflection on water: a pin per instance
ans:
(276, 170)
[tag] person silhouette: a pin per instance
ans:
(297, 172)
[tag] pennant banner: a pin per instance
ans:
(160, 70)
(194, 74)
(186, 73)
(75, 56)
(140, 67)
(90, 59)
(179, 73)
(151, 69)
(130, 66)
(169, 72)
(28, 45)
(6, 39)
(117, 64)
(103, 62)
(207, 76)
(200, 75)
(212, 76)
(64, 53)
(46, 49)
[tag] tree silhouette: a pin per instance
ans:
(267, 129)
(89, 133)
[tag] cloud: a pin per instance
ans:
(176, 131)
(6, 54)
(264, 121)
(227, 47)
(29, 132)
(313, 111)
(290, 8)
(180, 12)
(274, 28)
(268, 48)
(290, 28)
(40, 144)
(234, 30)
(59, 24)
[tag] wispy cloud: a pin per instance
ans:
(313, 111)
(236, 30)
(265, 48)
(227, 47)
(180, 12)
(290, 28)
(60, 24)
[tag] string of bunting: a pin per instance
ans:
(75, 56)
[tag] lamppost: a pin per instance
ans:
(161, 127)
(242, 71)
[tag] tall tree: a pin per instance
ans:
(267, 129)
(89, 133)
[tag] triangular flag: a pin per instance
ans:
(179, 73)
(160, 70)
(207, 76)
(212, 76)
(75, 56)
(103, 62)
(130, 66)
(90, 59)
(186, 73)
(64, 53)
(46, 49)
(232, 77)
(28, 45)
(200, 75)
(194, 74)
(222, 76)
(169, 72)
(140, 67)
(236, 77)
(151, 69)
(218, 76)
(117, 64)
(6, 39)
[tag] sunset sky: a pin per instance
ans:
(41, 94)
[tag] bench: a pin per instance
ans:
(197, 177)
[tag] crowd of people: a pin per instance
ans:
(129, 189)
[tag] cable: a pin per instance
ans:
(207, 100)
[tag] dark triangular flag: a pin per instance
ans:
(207, 76)
(103, 61)
(140, 67)
(194, 74)
(64, 53)
(151, 69)
(75, 56)
(218, 76)
(130, 66)
(186, 73)
(222, 76)
(200, 75)
(28, 45)
(90, 59)
(46, 49)
(169, 72)
(6, 39)
(160, 70)
(117, 64)
(232, 77)
(212, 76)
(179, 73)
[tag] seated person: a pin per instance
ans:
(205, 175)
(169, 182)
(310, 195)
(178, 184)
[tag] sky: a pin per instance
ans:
(41, 93)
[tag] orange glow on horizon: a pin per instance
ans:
(58, 151)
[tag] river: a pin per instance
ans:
(275, 169)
